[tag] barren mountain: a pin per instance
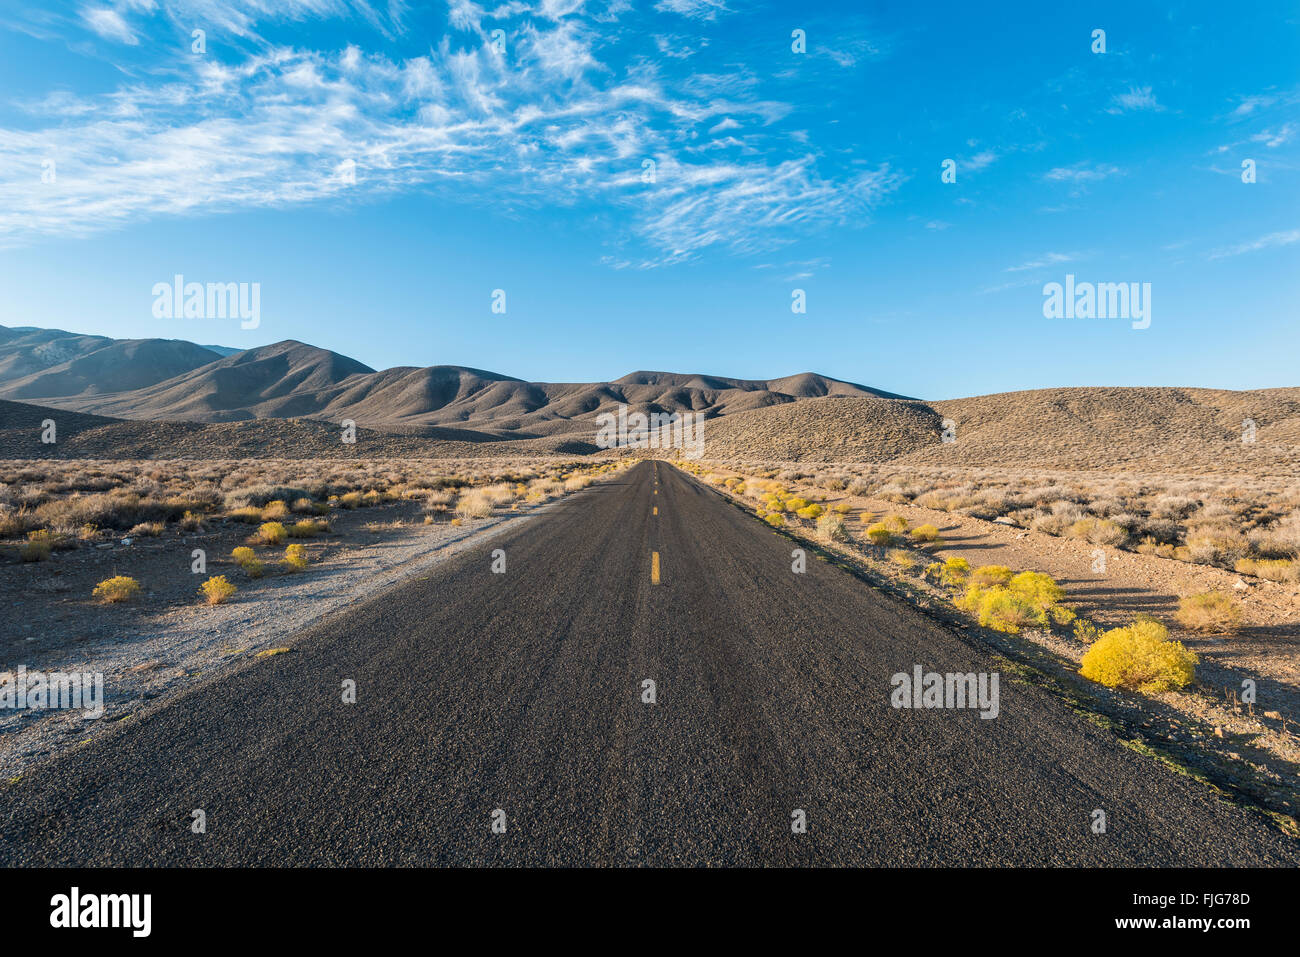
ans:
(179, 381)
(211, 405)
(119, 366)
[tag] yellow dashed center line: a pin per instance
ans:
(656, 509)
(654, 568)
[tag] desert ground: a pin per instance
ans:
(170, 518)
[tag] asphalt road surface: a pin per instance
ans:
(523, 692)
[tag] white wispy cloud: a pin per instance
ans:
(1275, 138)
(778, 202)
(1282, 238)
(109, 24)
(1040, 262)
(1249, 104)
(1137, 98)
(694, 9)
(1081, 173)
(546, 123)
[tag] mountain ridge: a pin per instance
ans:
(176, 380)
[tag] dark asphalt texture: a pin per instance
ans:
(522, 691)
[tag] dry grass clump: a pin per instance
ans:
(544, 489)
(295, 556)
(1214, 612)
(925, 534)
(147, 530)
(117, 589)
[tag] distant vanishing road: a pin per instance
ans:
(522, 692)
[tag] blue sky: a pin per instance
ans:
(381, 168)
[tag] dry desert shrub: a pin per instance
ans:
(1139, 657)
(275, 511)
(261, 495)
(272, 533)
(1271, 569)
(1214, 612)
(474, 504)
(904, 559)
(15, 522)
(1028, 599)
(879, 534)
(38, 546)
(308, 528)
(830, 528)
(217, 590)
(117, 589)
(1099, 531)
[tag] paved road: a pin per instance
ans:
(523, 691)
